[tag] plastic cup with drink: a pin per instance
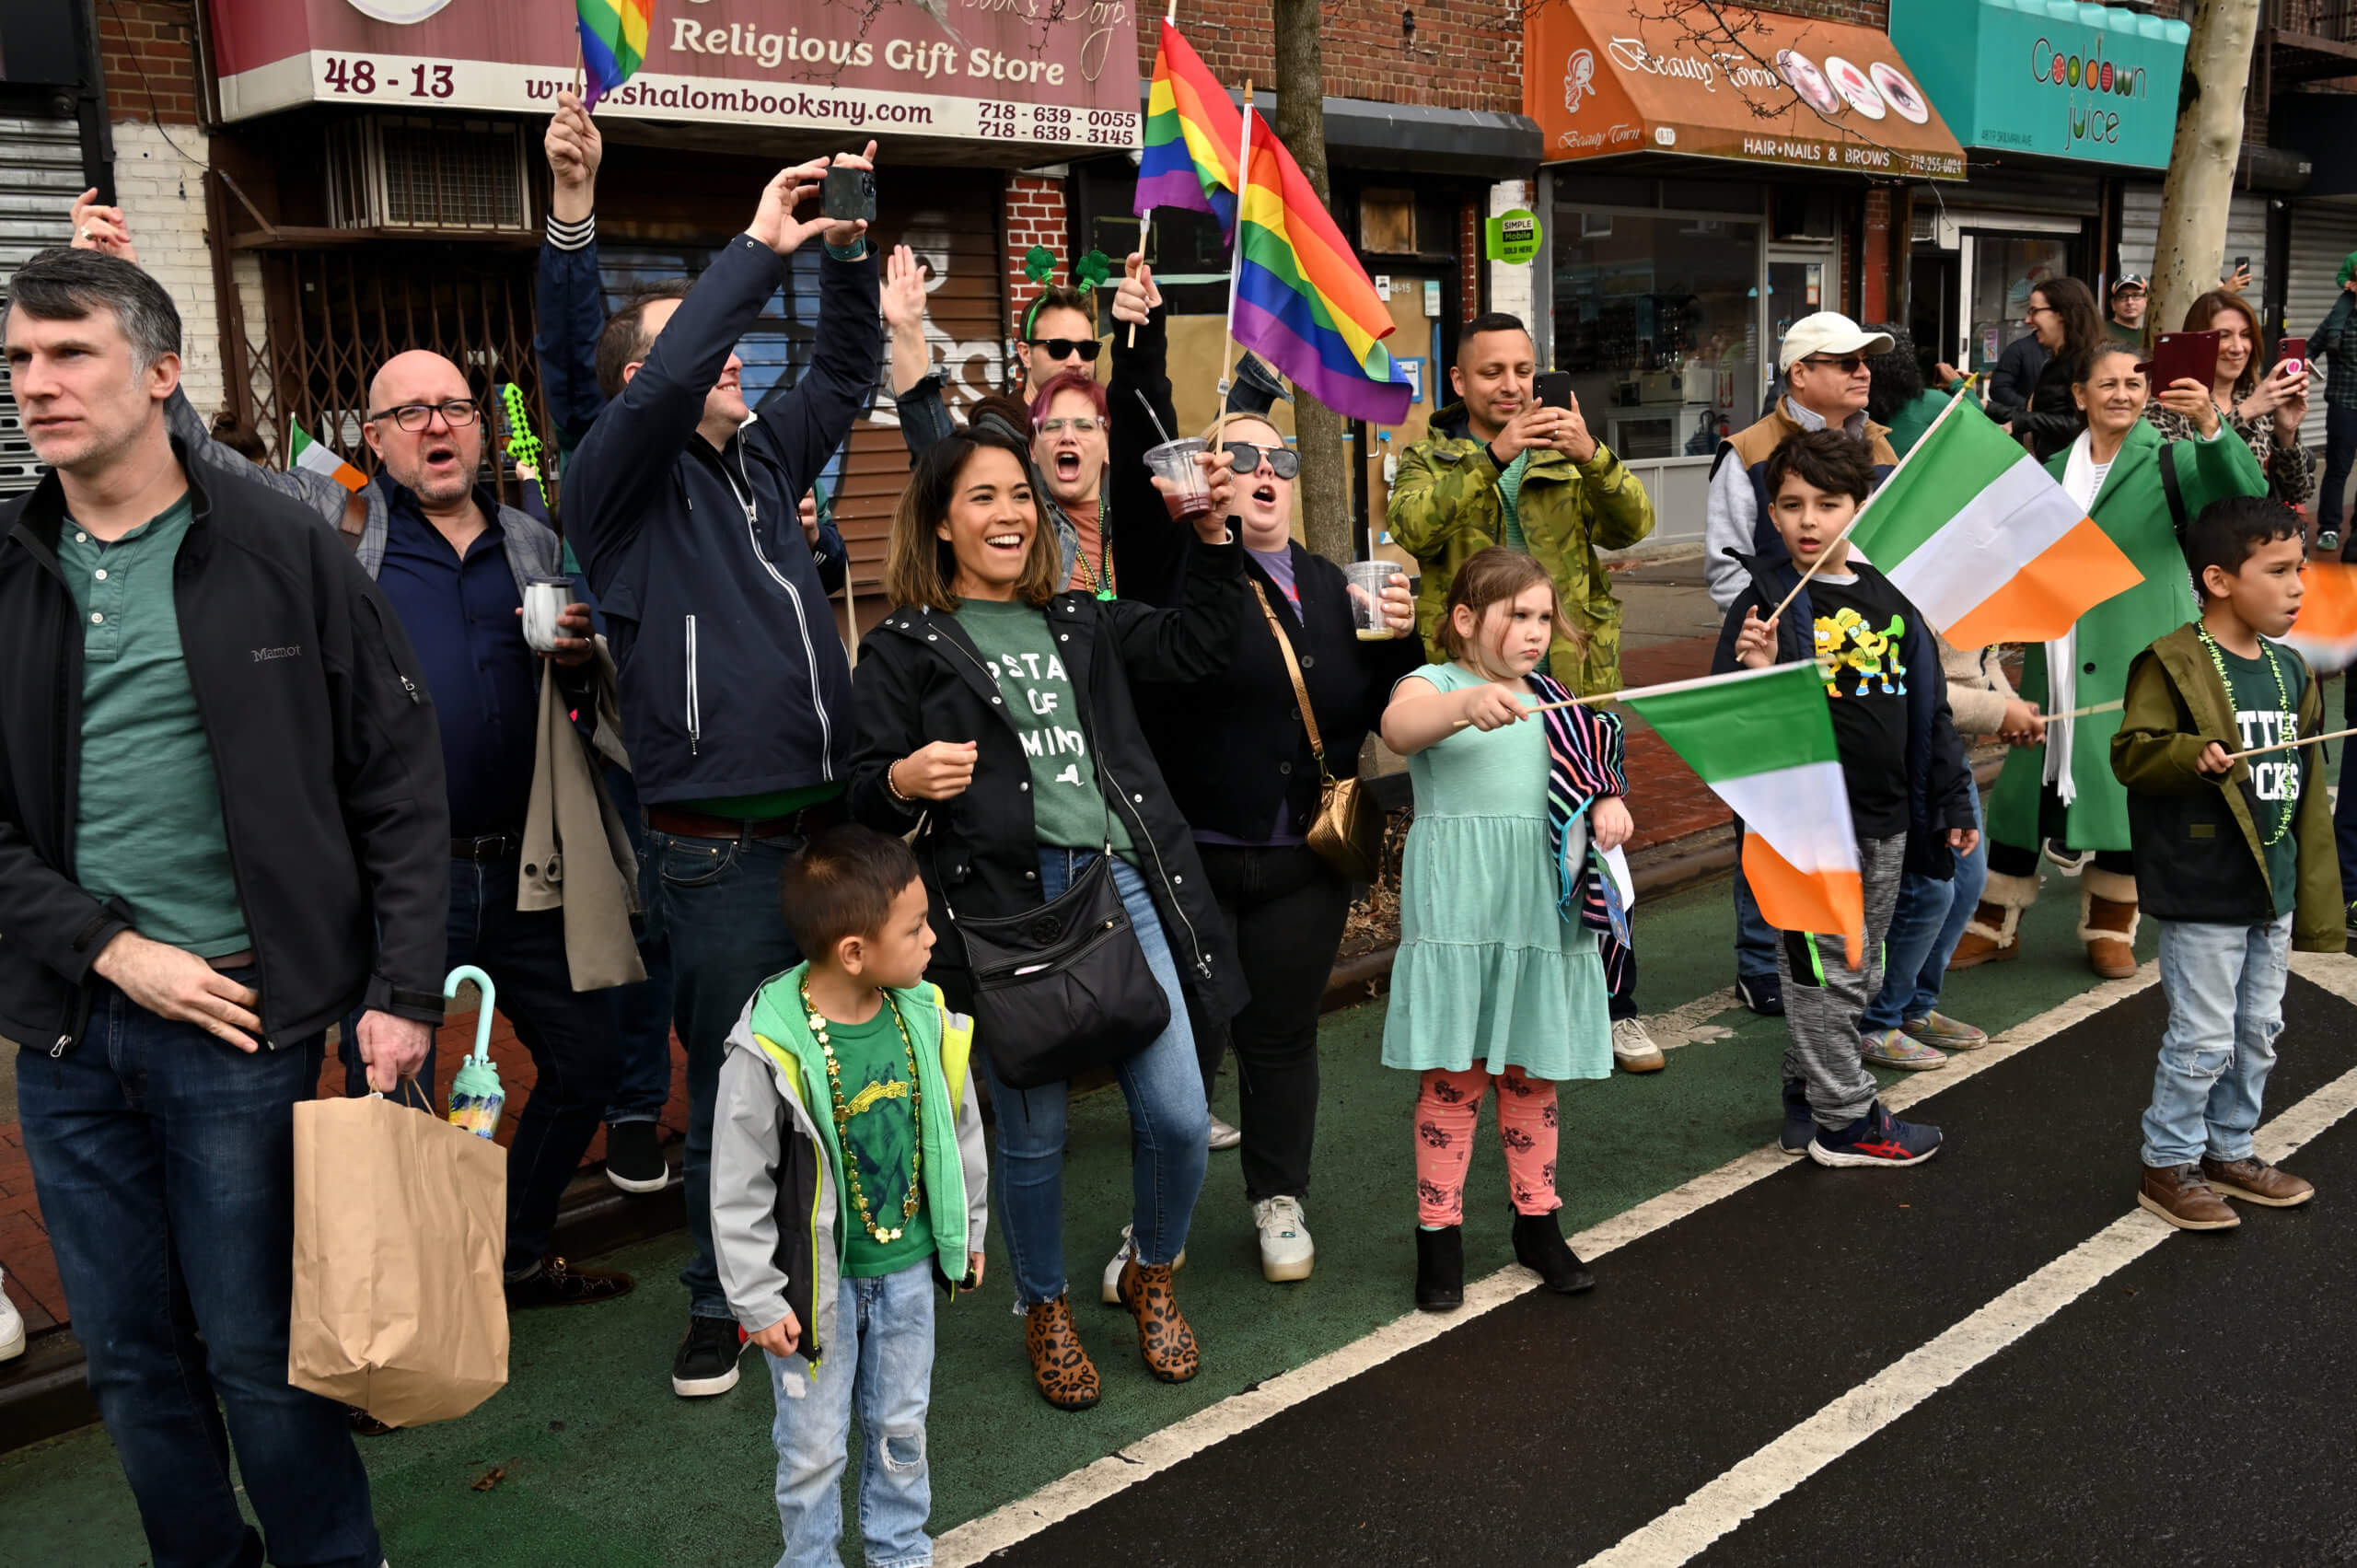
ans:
(1367, 579)
(1190, 495)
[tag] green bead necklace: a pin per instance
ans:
(843, 1120)
(2285, 809)
(1100, 571)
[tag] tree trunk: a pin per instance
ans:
(2194, 198)
(1300, 123)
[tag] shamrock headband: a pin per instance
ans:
(1040, 265)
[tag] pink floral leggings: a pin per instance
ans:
(1446, 1111)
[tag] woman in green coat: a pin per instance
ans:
(2062, 789)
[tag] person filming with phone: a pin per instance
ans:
(2261, 403)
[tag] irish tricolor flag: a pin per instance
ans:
(2325, 630)
(1763, 741)
(310, 455)
(1976, 532)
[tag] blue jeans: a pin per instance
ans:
(1923, 934)
(1169, 1121)
(881, 1360)
(570, 1033)
(2226, 989)
(1755, 940)
(165, 1160)
(2339, 451)
(641, 1012)
(715, 903)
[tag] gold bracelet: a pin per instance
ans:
(892, 787)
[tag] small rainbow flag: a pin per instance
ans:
(1191, 135)
(613, 44)
(1302, 300)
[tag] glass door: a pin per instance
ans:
(1800, 281)
(2000, 269)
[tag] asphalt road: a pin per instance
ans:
(2188, 1407)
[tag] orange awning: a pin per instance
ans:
(1764, 89)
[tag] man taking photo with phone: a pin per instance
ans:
(1500, 467)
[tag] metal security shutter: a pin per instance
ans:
(2139, 227)
(41, 173)
(2321, 236)
(949, 217)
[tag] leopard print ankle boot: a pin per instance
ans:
(1164, 1341)
(1067, 1378)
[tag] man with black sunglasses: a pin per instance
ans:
(1824, 358)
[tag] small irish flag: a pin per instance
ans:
(2325, 631)
(1977, 533)
(311, 454)
(1763, 741)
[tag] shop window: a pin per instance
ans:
(2004, 269)
(410, 173)
(1387, 222)
(1656, 319)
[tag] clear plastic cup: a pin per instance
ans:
(1190, 495)
(1367, 580)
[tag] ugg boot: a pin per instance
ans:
(1440, 1269)
(2108, 922)
(1066, 1377)
(1993, 934)
(1539, 1246)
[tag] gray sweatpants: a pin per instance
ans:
(1825, 999)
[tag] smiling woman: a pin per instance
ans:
(995, 720)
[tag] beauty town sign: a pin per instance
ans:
(1026, 73)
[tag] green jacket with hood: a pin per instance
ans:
(1446, 508)
(779, 1227)
(2196, 841)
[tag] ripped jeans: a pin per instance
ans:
(881, 1362)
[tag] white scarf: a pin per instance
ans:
(2083, 477)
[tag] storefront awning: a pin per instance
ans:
(2094, 83)
(1760, 88)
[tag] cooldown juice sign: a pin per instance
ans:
(1029, 72)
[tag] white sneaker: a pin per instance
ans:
(1286, 1251)
(1633, 1049)
(12, 1328)
(1223, 1136)
(1112, 1295)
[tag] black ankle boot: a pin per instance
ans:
(1539, 1246)
(1440, 1269)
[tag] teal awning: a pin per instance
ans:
(2053, 78)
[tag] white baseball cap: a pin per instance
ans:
(1827, 331)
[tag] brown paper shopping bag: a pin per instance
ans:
(399, 1224)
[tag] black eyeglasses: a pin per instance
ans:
(455, 411)
(1847, 364)
(1064, 348)
(1284, 461)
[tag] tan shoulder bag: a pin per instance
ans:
(1347, 832)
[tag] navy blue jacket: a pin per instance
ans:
(1939, 783)
(733, 680)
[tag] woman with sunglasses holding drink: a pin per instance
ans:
(1236, 753)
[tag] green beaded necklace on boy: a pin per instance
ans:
(1088, 272)
(843, 1120)
(2285, 809)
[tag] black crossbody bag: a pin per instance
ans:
(1066, 987)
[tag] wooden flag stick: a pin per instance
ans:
(2111, 707)
(2288, 745)
(1145, 227)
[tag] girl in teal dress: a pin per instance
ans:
(1498, 978)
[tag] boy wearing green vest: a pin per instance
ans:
(848, 1179)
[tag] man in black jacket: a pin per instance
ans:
(736, 689)
(221, 826)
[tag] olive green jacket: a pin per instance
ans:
(1446, 508)
(2191, 865)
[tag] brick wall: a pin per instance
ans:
(149, 52)
(1459, 56)
(162, 194)
(1035, 215)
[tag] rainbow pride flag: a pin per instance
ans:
(1193, 133)
(1301, 300)
(613, 44)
